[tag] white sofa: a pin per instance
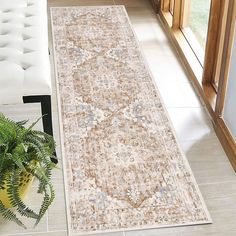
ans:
(24, 58)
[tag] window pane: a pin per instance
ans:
(172, 2)
(198, 19)
(195, 25)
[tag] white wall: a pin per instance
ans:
(229, 114)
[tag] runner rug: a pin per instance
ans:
(124, 168)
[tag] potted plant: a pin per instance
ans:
(25, 154)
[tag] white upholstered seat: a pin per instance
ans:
(24, 59)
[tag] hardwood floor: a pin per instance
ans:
(213, 172)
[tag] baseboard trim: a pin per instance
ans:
(227, 140)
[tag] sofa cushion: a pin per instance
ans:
(24, 59)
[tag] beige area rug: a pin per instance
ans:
(124, 168)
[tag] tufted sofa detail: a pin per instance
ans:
(24, 58)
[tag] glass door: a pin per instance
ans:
(194, 25)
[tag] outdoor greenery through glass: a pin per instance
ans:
(198, 20)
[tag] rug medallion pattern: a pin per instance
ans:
(124, 167)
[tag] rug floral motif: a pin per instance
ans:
(124, 168)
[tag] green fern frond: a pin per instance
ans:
(13, 183)
(45, 175)
(34, 123)
(22, 122)
(47, 201)
(9, 215)
(25, 150)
